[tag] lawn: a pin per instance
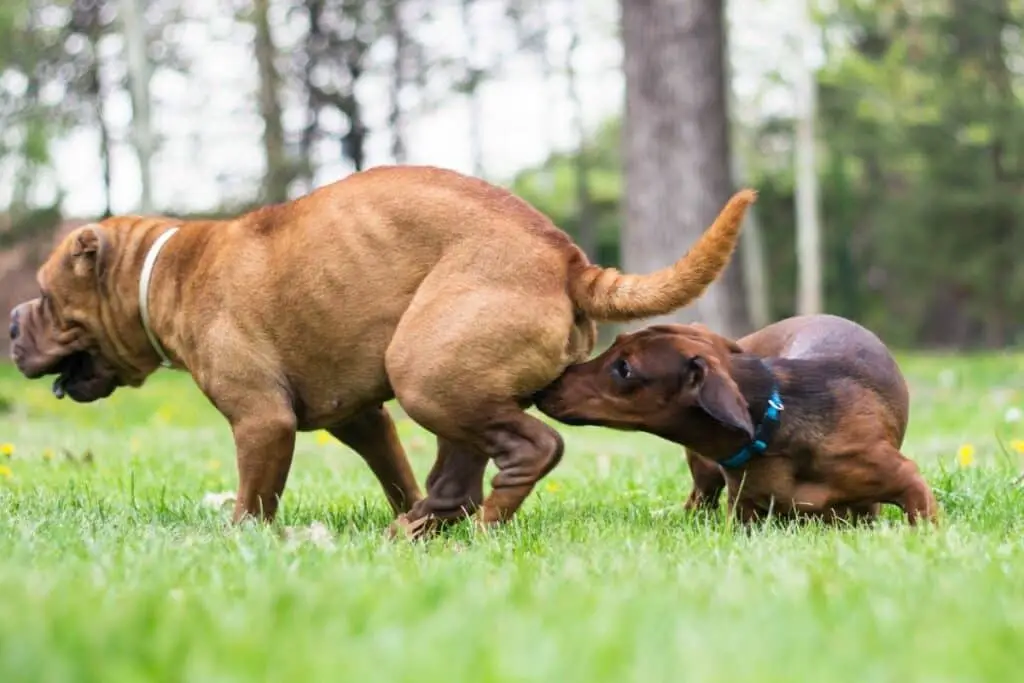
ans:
(115, 564)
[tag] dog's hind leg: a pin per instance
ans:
(900, 483)
(708, 482)
(454, 487)
(371, 433)
(523, 448)
(912, 493)
(462, 362)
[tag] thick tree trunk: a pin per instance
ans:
(676, 140)
(278, 174)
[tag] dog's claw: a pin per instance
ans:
(411, 530)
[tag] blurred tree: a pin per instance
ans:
(26, 121)
(475, 76)
(587, 228)
(926, 137)
(62, 62)
(333, 58)
(677, 175)
(396, 20)
(280, 170)
(808, 224)
(139, 74)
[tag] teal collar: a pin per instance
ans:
(762, 435)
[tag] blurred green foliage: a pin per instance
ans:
(921, 168)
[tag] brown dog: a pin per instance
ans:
(804, 416)
(448, 293)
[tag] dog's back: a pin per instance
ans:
(851, 349)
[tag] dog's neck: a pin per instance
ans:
(756, 379)
(172, 269)
(145, 279)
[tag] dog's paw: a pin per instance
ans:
(407, 529)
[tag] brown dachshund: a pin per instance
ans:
(804, 416)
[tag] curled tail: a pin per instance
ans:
(608, 295)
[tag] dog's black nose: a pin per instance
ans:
(15, 328)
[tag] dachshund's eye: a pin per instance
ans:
(622, 370)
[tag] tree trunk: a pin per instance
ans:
(586, 232)
(398, 79)
(808, 223)
(754, 259)
(473, 82)
(676, 145)
(138, 80)
(98, 96)
(278, 174)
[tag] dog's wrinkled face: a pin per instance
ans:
(58, 332)
(659, 380)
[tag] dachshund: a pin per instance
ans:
(803, 418)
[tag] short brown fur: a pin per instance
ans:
(451, 294)
(836, 454)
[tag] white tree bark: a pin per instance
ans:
(476, 116)
(808, 224)
(138, 79)
(754, 259)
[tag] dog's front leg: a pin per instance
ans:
(265, 445)
(708, 482)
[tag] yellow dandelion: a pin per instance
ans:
(553, 487)
(6, 472)
(164, 413)
(48, 454)
(965, 455)
(135, 445)
(323, 438)
(213, 464)
(6, 449)
(1018, 445)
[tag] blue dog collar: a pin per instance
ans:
(762, 435)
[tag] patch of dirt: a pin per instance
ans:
(18, 265)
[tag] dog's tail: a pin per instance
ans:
(605, 294)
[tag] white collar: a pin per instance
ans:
(144, 279)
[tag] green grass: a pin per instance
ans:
(112, 568)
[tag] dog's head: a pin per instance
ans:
(665, 379)
(67, 330)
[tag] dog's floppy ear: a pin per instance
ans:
(718, 396)
(89, 250)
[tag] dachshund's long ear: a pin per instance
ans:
(717, 395)
(89, 250)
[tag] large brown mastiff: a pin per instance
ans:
(451, 295)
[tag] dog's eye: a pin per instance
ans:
(621, 369)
